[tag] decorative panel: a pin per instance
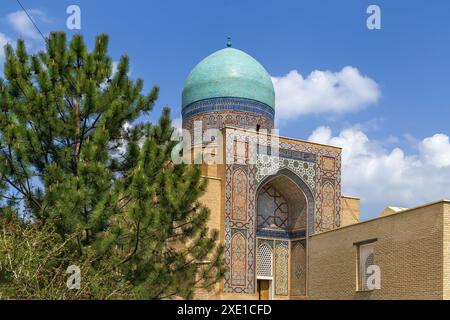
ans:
(249, 225)
(272, 209)
(298, 268)
(238, 259)
(304, 164)
(265, 261)
(270, 165)
(281, 268)
(239, 197)
(328, 206)
(328, 164)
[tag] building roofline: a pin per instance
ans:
(443, 201)
(350, 197)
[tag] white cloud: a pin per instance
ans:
(22, 24)
(323, 91)
(382, 177)
(437, 150)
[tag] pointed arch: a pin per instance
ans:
(272, 209)
(310, 200)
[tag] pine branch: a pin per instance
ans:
(138, 230)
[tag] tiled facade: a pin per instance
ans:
(289, 203)
(313, 257)
(269, 214)
(412, 249)
(218, 113)
(278, 206)
(254, 206)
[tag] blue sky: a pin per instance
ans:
(397, 141)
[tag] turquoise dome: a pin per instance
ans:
(229, 73)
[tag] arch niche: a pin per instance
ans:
(284, 214)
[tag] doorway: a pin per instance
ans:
(264, 289)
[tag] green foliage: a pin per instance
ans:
(34, 260)
(63, 172)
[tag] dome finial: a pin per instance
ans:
(229, 42)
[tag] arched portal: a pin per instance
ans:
(285, 212)
(285, 206)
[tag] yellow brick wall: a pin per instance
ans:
(409, 252)
(446, 251)
(350, 211)
(214, 199)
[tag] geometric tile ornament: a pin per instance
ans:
(314, 169)
(302, 186)
(239, 197)
(265, 260)
(281, 268)
(328, 206)
(298, 268)
(273, 211)
(217, 113)
(238, 259)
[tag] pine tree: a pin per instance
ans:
(33, 264)
(62, 135)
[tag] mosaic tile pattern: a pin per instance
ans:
(328, 206)
(328, 164)
(268, 242)
(238, 260)
(239, 197)
(218, 113)
(308, 193)
(270, 165)
(221, 119)
(273, 211)
(234, 104)
(281, 268)
(265, 259)
(321, 176)
(247, 228)
(310, 167)
(298, 268)
(300, 215)
(281, 234)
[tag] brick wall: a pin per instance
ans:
(446, 251)
(350, 211)
(409, 251)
